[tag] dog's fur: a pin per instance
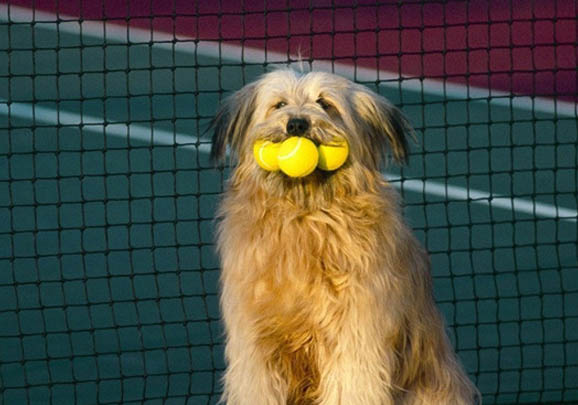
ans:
(326, 294)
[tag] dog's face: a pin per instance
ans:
(320, 106)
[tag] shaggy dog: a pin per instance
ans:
(326, 294)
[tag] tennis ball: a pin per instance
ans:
(333, 155)
(298, 156)
(266, 153)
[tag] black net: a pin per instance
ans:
(108, 275)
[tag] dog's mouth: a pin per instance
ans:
(317, 179)
(318, 131)
(279, 137)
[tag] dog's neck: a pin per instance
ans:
(319, 191)
(304, 219)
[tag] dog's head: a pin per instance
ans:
(320, 106)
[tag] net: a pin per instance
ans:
(108, 275)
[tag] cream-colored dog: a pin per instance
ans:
(326, 294)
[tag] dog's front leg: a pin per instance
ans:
(358, 369)
(249, 379)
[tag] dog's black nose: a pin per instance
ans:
(297, 126)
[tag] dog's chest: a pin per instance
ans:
(285, 262)
(299, 264)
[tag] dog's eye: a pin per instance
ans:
(280, 104)
(324, 104)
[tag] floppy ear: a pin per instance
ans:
(232, 121)
(384, 123)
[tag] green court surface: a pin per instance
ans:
(108, 275)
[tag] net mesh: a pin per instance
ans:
(108, 274)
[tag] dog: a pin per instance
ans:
(326, 295)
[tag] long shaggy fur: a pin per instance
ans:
(326, 294)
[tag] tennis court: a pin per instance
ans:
(108, 275)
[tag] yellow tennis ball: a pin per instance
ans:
(298, 156)
(333, 155)
(266, 153)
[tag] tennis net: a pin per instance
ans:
(108, 274)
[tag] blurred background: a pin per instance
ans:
(108, 274)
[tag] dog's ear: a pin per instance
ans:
(232, 121)
(384, 123)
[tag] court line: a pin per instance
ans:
(128, 131)
(215, 49)
(50, 116)
(493, 200)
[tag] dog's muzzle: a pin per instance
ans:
(297, 126)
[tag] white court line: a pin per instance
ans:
(449, 192)
(143, 133)
(108, 31)
(218, 50)
(134, 132)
